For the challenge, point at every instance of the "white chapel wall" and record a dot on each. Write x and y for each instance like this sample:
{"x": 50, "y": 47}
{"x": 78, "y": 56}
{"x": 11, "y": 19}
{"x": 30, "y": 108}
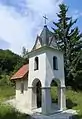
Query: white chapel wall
{"x": 21, "y": 97}
{"x": 45, "y": 73}
{"x": 51, "y": 73}
{"x": 41, "y": 72}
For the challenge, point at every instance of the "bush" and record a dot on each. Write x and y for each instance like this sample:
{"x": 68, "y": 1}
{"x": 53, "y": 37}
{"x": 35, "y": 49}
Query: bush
{"x": 5, "y": 80}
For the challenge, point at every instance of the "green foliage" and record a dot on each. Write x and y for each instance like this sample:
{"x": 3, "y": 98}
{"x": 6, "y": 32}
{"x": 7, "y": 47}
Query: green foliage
{"x": 8, "y": 61}
{"x": 69, "y": 39}
{"x": 24, "y": 51}
{"x": 54, "y": 97}
{"x": 7, "y": 112}
{"x": 9, "y": 64}
{"x": 6, "y": 92}
{"x": 5, "y": 80}
{"x": 73, "y": 100}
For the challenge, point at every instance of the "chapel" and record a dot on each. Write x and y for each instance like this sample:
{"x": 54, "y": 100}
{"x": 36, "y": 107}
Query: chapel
{"x": 33, "y": 80}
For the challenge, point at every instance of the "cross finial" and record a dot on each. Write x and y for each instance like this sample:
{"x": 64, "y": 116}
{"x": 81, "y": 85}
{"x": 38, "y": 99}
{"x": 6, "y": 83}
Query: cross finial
{"x": 45, "y": 18}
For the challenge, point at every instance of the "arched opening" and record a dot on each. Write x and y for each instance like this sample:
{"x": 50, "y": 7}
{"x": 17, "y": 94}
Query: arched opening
{"x": 37, "y": 94}
{"x": 36, "y": 63}
{"x": 55, "y": 63}
{"x": 54, "y": 95}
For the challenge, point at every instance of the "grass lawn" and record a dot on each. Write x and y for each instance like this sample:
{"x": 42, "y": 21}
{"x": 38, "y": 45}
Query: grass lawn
{"x": 6, "y": 111}
{"x": 73, "y": 100}
{"x": 6, "y": 92}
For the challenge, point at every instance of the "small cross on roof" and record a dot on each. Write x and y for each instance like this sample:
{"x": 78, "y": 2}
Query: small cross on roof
{"x": 45, "y": 18}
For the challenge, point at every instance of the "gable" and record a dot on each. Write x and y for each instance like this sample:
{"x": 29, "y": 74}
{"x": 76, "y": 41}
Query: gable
{"x": 37, "y": 43}
{"x": 53, "y": 43}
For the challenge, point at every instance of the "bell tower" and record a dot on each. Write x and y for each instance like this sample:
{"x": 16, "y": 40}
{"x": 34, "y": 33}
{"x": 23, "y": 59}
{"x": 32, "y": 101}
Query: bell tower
{"x": 46, "y": 63}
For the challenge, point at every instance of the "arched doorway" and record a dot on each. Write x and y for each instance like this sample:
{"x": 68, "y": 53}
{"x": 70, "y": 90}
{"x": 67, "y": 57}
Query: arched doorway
{"x": 36, "y": 94}
{"x": 55, "y": 94}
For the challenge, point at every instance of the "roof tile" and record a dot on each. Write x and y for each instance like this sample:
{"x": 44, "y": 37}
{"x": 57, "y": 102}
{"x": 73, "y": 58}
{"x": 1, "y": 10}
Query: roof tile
{"x": 21, "y": 72}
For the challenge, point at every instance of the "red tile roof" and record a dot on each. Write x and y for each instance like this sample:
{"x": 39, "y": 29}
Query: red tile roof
{"x": 21, "y": 72}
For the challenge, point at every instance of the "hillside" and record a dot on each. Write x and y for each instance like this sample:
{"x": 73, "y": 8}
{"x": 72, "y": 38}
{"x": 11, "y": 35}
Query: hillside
{"x": 9, "y": 61}
{"x": 9, "y": 64}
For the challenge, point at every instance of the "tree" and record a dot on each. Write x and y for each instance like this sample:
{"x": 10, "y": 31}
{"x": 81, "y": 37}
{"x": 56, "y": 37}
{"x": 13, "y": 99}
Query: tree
{"x": 8, "y": 61}
{"x": 69, "y": 40}
{"x": 25, "y": 55}
{"x": 24, "y": 51}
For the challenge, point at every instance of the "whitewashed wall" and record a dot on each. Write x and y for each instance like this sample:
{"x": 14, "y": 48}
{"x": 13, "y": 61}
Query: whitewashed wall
{"x": 50, "y": 72}
{"x": 45, "y": 73}
{"x": 21, "y": 97}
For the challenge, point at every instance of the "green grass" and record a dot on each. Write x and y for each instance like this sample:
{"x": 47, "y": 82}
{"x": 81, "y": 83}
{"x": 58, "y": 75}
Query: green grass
{"x": 6, "y": 92}
{"x": 54, "y": 96}
{"x": 73, "y": 100}
{"x": 6, "y": 111}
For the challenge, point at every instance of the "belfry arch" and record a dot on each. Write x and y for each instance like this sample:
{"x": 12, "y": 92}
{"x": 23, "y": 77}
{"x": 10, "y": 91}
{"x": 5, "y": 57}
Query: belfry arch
{"x": 36, "y": 94}
{"x": 55, "y": 84}
{"x": 58, "y": 101}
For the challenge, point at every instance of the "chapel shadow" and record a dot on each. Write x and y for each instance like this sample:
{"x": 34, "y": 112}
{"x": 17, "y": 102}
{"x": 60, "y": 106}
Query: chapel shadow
{"x": 70, "y": 104}
{"x": 76, "y": 117}
{"x": 55, "y": 100}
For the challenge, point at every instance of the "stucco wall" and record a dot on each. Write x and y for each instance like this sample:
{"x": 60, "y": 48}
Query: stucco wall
{"x": 50, "y": 72}
{"x": 21, "y": 97}
{"x": 41, "y": 72}
{"x": 45, "y": 73}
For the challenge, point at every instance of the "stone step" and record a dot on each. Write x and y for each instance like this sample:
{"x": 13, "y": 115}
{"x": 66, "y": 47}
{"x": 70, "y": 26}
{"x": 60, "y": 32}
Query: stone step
{"x": 61, "y": 115}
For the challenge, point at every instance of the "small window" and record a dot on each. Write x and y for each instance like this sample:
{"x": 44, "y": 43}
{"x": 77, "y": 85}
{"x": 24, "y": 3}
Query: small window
{"x": 22, "y": 87}
{"x": 55, "y": 63}
{"x": 36, "y": 63}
